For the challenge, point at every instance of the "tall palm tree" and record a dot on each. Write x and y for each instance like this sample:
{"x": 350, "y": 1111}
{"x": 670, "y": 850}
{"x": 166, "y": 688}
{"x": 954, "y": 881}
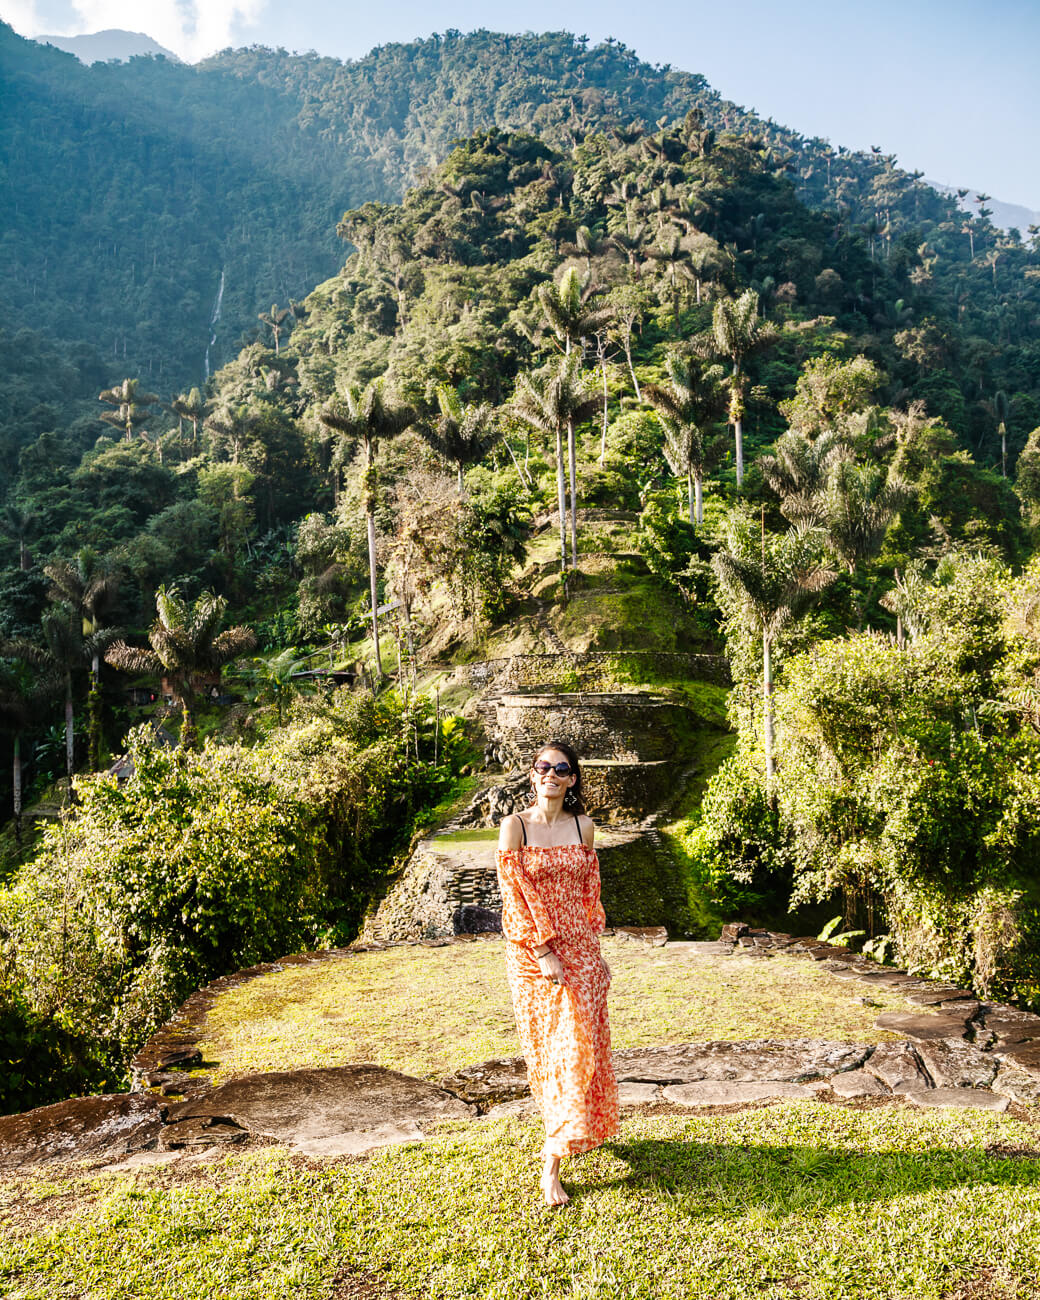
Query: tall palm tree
{"x": 998, "y": 408}
{"x": 856, "y": 508}
{"x": 88, "y": 586}
{"x": 551, "y": 402}
{"x": 737, "y": 334}
{"x": 132, "y": 406}
{"x": 19, "y": 523}
{"x": 275, "y": 320}
{"x": 65, "y": 652}
{"x": 187, "y": 645}
{"x": 368, "y": 415}
{"x": 24, "y": 685}
{"x": 463, "y": 434}
{"x": 675, "y": 262}
{"x": 769, "y": 579}
{"x": 273, "y": 681}
{"x": 797, "y": 469}
{"x": 191, "y": 406}
{"x": 569, "y": 316}
{"x": 687, "y": 409}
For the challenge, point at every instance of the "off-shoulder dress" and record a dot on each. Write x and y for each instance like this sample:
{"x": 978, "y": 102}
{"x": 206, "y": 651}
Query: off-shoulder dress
{"x": 551, "y": 895}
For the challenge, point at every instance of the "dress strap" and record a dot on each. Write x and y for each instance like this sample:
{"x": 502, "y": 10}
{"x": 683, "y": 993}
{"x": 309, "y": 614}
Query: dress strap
{"x": 577, "y": 823}
{"x": 523, "y": 828}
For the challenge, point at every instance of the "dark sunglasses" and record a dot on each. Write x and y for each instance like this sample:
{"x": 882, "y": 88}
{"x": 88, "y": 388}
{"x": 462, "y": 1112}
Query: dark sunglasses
{"x": 542, "y": 767}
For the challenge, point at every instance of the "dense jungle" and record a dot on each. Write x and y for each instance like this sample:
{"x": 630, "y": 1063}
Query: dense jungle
{"x": 374, "y": 344}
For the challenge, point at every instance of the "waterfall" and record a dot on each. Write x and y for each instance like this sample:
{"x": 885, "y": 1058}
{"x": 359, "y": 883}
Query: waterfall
{"x": 213, "y": 320}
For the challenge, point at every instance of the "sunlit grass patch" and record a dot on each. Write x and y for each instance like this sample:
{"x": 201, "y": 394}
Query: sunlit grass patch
{"x": 430, "y": 1011}
{"x": 801, "y": 1199}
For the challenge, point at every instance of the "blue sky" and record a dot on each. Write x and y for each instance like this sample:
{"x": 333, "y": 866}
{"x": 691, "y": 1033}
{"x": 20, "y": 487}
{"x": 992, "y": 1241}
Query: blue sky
{"x": 950, "y": 87}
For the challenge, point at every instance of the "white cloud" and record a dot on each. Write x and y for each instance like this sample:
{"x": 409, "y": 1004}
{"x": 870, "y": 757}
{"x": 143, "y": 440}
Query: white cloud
{"x": 21, "y": 15}
{"x": 191, "y": 28}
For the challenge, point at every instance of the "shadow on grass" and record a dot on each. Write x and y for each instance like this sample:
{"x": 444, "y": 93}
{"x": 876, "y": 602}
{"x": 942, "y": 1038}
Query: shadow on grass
{"x": 718, "y": 1179}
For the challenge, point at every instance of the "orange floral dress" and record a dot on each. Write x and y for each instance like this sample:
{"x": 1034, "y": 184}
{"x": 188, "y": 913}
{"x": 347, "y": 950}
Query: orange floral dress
{"x": 552, "y": 895}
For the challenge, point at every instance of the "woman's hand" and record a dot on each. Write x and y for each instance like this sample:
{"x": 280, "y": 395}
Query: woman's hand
{"x": 551, "y": 968}
{"x": 606, "y": 968}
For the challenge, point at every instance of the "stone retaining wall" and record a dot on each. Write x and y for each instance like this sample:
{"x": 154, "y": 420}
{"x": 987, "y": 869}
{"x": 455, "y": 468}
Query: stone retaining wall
{"x": 595, "y": 671}
{"x": 618, "y": 727}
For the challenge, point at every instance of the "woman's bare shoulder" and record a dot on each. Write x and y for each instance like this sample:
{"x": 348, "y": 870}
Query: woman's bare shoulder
{"x": 510, "y": 833}
{"x": 588, "y": 829}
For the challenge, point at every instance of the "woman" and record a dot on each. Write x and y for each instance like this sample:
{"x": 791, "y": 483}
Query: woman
{"x": 551, "y": 916}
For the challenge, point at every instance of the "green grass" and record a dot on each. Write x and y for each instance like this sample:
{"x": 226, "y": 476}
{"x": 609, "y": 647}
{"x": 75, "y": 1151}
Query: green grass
{"x": 476, "y": 835}
{"x": 803, "y": 1199}
{"x": 429, "y": 1011}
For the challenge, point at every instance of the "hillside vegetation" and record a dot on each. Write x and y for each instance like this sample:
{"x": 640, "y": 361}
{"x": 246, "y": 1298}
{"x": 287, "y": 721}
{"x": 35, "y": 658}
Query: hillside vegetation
{"x": 792, "y": 436}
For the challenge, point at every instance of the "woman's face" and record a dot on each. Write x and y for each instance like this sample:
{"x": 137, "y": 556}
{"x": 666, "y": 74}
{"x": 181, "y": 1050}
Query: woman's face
{"x": 551, "y": 784}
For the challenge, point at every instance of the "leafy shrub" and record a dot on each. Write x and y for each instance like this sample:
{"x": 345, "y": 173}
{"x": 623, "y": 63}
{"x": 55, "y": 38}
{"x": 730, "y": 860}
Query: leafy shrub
{"x": 202, "y": 863}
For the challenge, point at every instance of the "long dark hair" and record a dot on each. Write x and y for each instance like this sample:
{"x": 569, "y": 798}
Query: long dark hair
{"x": 573, "y": 800}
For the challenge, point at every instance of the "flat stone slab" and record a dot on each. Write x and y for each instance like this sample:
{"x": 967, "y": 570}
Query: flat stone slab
{"x": 654, "y": 936}
{"x": 965, "y": 1098}
{"x": 199, "y": 1132}
{"x": 501, "y": 1079}
{"x": 83, "y": 1128}
{"x": 886, "y": 979}
{"x": 934, "y": 996}
{"x": 953, "y": 1063}
{"x": 1020, "y": 1085}
{"x": 638, "y": 1094}
{"x": 1025, "y": 1055}
{"x": 944, "y": 1024}
{"x": 1017, "y": 1027}
{"x": 298, "y": 1106}
{"x": 898, "y": 1067}
{"x": 795, "y": 1060}
{"x": 360, "y": 1143}
{"x": 717, "y": 1092}
{"x": 858, "y": 1083}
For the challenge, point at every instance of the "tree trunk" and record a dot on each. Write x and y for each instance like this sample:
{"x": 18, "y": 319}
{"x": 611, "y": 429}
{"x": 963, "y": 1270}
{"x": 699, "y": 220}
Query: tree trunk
{"x": 690, "y": 496}
{"x": 16, "y": 781}
{"x": 606, "y": 405}
{"x": 94, "y": 722}
{"x": 370, "y": 523}
{"x": 698, "y": 498}
{"x": 738, "y": 420}
{"x": 738, "y": 433}
{"x": 573, "y": 467}
{"x": 189, "y": 730}
{"x": 767, "y": 711}
{"x": 70, "y": 729}
{"x": 632, "y": 369}
{"x": 561, "y": 501}
{"x": 462, "y": 487}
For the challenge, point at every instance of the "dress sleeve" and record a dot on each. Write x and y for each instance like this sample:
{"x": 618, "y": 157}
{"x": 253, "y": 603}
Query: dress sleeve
{"x": 590, "y": 896}
{"x": 524, "y": 916}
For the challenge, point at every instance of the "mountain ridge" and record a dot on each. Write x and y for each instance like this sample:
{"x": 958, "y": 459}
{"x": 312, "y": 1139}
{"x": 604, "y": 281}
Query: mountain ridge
{"x": 111, "y": 43}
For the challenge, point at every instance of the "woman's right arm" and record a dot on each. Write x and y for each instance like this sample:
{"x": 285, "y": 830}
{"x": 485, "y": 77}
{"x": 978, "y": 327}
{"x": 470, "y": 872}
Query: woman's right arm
{"x": 510, "y": 835}
{"x": 524, "y": 917}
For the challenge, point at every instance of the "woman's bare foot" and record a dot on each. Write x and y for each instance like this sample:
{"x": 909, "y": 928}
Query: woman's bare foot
{"x": 552, "y": 1189}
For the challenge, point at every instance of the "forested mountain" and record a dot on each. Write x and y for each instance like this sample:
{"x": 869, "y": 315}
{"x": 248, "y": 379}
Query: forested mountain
{"x": 132, "y": 192}
{"x": 801, "y": 377}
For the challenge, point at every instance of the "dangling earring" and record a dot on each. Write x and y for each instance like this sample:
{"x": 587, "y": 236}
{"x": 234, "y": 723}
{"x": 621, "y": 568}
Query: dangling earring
{"x": 570, "y": 799}
{"x": 534, "y": 795}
